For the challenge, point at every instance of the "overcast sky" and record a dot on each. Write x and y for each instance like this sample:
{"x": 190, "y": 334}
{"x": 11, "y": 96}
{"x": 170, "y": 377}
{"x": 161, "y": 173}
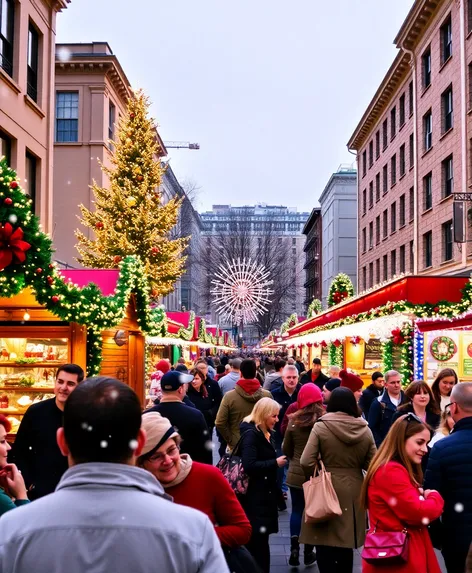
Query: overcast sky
{"x": 271, "y": 90}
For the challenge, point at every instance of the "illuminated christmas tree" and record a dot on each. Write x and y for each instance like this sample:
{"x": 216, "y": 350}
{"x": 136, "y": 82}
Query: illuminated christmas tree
{"x": 130, "y": 217}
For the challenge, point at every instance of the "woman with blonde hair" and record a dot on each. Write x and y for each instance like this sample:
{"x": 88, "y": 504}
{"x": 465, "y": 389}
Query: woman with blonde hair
{"x": 445, "y": 427}
{"x": 393, "y": 495}
{"x": 260, "y": 462}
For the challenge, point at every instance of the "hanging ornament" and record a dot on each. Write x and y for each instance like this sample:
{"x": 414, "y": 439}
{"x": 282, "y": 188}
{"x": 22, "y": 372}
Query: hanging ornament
{"x": 117, "y": 259}
{"x": 155, "y": 250}
{"x": 12, "y": 246}
{"x": 14, "y": 184}
{"x": 50, "y": 280}
{"x": 132, "y": 115}
{"x": 55, "y": 299}
{"x": 99, "y": 225}
{"x": 139, "y": 177}
{"x": 131, "y": 201}
{"x": 8, "y": 201}
{"x": 51, "y": 265}
{"x": 39, "y": 271}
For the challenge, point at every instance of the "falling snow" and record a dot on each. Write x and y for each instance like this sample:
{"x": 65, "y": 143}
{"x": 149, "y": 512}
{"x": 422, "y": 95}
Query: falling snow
{"x": 133, "y": 444}
{"x": 459, "y": 507}
{"x": 103, "y": 444}
{"x": 425, "y": 521}
{"x": 13, "y": 218}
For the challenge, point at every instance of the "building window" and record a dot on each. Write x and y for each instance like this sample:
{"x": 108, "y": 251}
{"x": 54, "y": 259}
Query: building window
{"x": 377, "y": 230}
{"x": 364, "y": 163}
{"x": 364, "y": 201}
{"x": 31, "y": 170}
{"x": 5, "y": 147}
{"x": 393, "y": 123}
{"x": 428, "y": 191}
{"x": 385, "y": 224}
{"x": 393, "y": 263}
{"x": 428, "y": 249}
{"x": 364, "y": 278}
{"x": 393, "y": 217}
{"x": 402, "y": 210}
{"x": 401, "y": 110}
{"x": 412, "y": 151}
{"x": 428, "y": 131}
{"x": 412, "y": 203}
{"x": 447, "y": 110}
{"x": 371, "y": 235}
{"x": 7, "y": 24}
{"x": 412, "y": 258}
{"x": 371, "y": 154}
{"x": 67, "y": 117}
{"x": 377, "y": 271}
{"x": 410, "y": 98}
{"x": 448, "y": 251}
{"x": 364, "y": 240}
{"x": 385, "y": 134}
{"x": 447, "y": 177}
{"x": 371, "y": 194}
{"x": 377, "y": 145}
{"x": 393, "y": 170}
{"x": 385, "y": 179}
{"x": 402, "y": 259}
{"x": 371, "y": 275}
{"x": 33, "y": 63}
{"x": 377, "y": 187}
{"x": 402, "y": 161}
{"x": 446, "y": 40}
{"x": 385, "y": 267}
{"x": 426, "y": 66}
{"x": 111, "y": 123}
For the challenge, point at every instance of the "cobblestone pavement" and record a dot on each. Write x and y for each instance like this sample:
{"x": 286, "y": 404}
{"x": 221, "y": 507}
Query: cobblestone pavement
{"x": 280, "y": 551}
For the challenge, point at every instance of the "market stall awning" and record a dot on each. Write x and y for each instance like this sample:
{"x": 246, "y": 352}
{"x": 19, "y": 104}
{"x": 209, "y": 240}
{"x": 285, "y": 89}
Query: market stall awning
{"x": 105, "y": 279}
{"x": 416, "y": 290}
{"x": 380, "y": 328}
{"x": 428, "y": 324}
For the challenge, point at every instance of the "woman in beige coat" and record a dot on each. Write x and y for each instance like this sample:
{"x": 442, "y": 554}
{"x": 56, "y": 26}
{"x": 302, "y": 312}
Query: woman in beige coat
{"x": 345, "y": 444}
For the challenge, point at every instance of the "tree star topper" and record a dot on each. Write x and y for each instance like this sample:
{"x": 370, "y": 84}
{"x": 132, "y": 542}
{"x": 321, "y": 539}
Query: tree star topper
{"x": 241, "y": 292}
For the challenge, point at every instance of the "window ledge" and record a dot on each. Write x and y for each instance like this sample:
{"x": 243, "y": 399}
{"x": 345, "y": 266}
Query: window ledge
{"x": 448, "y": 262}
{"x": 426, "y": 89}
{"x": 385, "y": 238}
{"x": 426, "y": 152}
{"x": 68, "y": 143}
{"x": 427, "y": 211}
{"x": 392, "y": 137}
{"x": 410, "y": 115}
{"x": 444, "y": 64}
{"x": 377, "y": 156}
{"x": 446, "y": 133}
{"x": 446, "y": 199}
{"x": 10, "y": 81}
{"x": 401, "y": 176}
{"x": 34, "y": 106}
{"x": 402, "y": 226}
{"x": 401, "y": 126}
{"x": 411, "y": 167}
{"x": 393, "y": 185}
{"x": 385, "y": 147}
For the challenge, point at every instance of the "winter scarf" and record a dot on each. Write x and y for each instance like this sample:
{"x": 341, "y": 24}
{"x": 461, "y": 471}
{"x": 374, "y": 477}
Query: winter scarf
{"x": 185, "y": 467}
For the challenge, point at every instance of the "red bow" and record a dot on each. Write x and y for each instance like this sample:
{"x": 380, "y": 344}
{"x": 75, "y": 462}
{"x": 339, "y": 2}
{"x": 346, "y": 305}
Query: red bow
{"x": 12, "y": 246}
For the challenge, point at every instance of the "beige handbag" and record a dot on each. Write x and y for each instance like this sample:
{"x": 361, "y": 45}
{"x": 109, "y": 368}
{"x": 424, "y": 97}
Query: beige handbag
{"x": 321, "y": 501}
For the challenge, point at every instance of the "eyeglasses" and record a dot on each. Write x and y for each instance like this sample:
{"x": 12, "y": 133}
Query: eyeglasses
{"x": 410, "y": 417}
{"x": 159, "y": 457}
{"x": 448, "y": 407}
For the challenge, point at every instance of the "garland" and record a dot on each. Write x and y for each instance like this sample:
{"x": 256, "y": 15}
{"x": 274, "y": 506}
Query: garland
{"x": 187, "y": 333}
{"x": 336, "y": 354}
{"x": 314, "y": 308}
{"x": 340, "y": 289}
{"x": 387, "y": 355}
{"x": 292, "y": 320}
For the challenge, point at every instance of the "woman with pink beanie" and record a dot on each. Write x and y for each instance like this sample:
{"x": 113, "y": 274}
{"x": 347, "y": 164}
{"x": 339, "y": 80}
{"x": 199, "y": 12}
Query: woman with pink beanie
{"x": 309, "y": 409}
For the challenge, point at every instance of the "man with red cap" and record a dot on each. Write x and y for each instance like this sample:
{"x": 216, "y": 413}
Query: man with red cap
{"x": 353, "y": 382}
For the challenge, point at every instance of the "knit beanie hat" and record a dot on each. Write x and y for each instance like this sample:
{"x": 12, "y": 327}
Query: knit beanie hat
{"x": 309, "y": 394}
{"x": 158, "y": 430}
{"x": 350, "y": 381}
{"x": 163, "y": 366}
{"x": 332, "y": 384}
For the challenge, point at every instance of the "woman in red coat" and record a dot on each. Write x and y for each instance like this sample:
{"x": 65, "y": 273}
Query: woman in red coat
{"x": 190, "y": 483}
{"x": 395, "y": 500}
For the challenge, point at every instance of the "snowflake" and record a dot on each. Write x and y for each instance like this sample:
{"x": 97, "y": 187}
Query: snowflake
{"x": 459, "y": 507}
{"x": 241, "y": 291}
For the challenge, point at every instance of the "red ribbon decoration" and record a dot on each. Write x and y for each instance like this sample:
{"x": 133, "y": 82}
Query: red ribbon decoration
{"x": 12, "y": 246}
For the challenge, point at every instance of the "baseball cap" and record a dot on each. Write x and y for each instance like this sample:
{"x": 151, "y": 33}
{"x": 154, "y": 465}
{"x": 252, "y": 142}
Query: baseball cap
{"x": 172, "y": 380}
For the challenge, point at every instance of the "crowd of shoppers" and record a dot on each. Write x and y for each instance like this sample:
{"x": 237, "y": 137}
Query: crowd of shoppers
{"x": 126, "y": 466}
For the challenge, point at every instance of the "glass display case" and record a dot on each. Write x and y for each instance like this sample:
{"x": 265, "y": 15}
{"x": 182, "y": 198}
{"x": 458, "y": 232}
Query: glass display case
{"x": 28, "y": 363}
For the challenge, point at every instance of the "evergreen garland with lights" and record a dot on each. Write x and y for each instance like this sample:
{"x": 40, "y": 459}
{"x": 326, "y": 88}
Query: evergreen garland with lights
{"x": 314, "y": 308}
{"x": 292, "y": 320}
{"x": 336, "y": 354}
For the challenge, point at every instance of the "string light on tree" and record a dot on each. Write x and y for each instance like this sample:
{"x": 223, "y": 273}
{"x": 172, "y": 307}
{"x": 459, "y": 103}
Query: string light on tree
{"x": 242, "y": 291}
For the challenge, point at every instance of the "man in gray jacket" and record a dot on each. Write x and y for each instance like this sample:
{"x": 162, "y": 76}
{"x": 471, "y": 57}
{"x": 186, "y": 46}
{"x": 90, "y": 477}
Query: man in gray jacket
{"x": 106, "y": 514}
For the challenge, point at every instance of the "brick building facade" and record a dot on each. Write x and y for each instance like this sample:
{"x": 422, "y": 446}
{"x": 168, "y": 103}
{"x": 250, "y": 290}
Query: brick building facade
{"x": 410, "y": 144}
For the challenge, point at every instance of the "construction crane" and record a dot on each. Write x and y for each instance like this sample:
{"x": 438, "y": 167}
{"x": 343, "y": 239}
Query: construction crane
{"x": 181, "y": 145}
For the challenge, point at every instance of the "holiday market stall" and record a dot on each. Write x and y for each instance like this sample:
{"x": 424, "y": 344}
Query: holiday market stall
{"x": 381, "y": 329}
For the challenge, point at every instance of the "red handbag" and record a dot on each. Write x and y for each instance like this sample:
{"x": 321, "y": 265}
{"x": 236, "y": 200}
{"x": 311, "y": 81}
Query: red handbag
{"x": 386, "y": 547}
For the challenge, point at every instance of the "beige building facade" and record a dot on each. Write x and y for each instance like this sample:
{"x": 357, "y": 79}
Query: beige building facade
{"x": 28, "y": 31}
{"x": 413, "y": 149}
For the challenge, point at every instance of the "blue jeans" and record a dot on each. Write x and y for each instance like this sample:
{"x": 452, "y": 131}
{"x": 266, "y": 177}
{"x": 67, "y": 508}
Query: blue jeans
{"x": 298, "y": 505}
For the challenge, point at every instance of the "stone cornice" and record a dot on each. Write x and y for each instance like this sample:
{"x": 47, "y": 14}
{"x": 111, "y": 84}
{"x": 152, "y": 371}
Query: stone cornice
{"x": 382, "y": 98}
{"x": 416, "y": 22}
{"x": 58, "y": 5}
